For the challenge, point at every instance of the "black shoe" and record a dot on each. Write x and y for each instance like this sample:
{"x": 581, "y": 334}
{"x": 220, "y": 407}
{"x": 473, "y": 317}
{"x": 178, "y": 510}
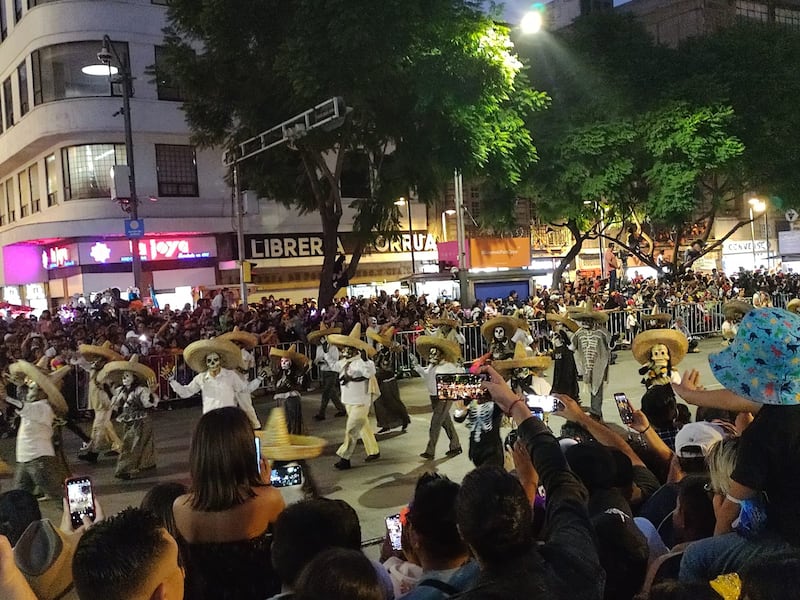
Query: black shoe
{"x": 372, "y": 457}
{"x": 340, "y": 413}
{"x": 342, "y": 465}
{"x": 427, "y": 456}
{"x": 90, "y": 457}
{"x": 452, "y": 453}
{"x": 404, "y": 428}
{"x": 319, "y": 417}
{"x": 384, "y": 430}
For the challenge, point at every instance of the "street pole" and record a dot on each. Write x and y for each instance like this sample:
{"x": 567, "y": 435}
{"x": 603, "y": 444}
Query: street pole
{"x": 411, "y": 234}
{"x": 237, "y": 193}
{"x": 444, "y": 226}
{"x": 463, "y": 284}
{"x": 766, "y": 240}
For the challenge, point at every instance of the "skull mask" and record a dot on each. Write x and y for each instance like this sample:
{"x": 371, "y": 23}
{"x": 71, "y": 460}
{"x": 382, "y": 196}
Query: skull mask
{"x": 286, "y": 364}
{"x": 127, "y": 379}
{"x": 347, "y": 352}
{"x": 434, "y": 356}
{"x": 521, "y": 373}
{"x": 213, "y": 362}
{"x": 659, "y": 354}
{"x": 33, "y": 390}
{"x": 373, "y": 322}
{"x": 499, "y": 334}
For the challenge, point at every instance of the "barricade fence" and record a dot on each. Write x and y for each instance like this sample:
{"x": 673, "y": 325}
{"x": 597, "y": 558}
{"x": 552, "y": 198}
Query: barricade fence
{"x": 701, "y": 319}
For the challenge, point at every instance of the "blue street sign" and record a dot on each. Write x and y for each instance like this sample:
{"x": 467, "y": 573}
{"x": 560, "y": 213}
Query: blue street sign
{"x": 134, "y": 228}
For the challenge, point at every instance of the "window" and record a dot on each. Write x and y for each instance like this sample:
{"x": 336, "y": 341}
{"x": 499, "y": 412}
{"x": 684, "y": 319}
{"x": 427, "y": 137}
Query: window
{"x": 166, "y": 89}
{"x": 57, "y": 73}
{"x": 8, "y": 103}
{"x": 87, "y": 169}
{"x": 752, "y": 10}
{"x": 787, "y": 16}
{"x": 3, "y": 207}
{"x": 22, "y": 80}
{"x": 52, "y": 180}
{"x": 3, "y": 21}
{"x": 33, "y": 180}
{"x": 11, "y": 204}
{"x": 354, "y": 181}
{"x": 176, "y": 169}
{"x": 17, "y": 10}
{"x": 24, "y": 187}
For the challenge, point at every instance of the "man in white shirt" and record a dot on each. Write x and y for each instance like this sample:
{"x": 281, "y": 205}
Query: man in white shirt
{"x": 246, "y": 342}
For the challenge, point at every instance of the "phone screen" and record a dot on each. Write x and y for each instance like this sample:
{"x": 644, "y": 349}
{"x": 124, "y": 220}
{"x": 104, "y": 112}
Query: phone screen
{"x": 80, "y": 498}
{"x": 624, "y": 408}
{"x": 258, "y": 453}
{"x": 395, "y": 528}
{"x": 543, "y": 403}
{"x": 462, "y": 387}
{"x": 286, "y": 476}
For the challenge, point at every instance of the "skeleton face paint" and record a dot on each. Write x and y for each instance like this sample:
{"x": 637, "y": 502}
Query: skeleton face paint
{"x": 434, "y": 356}
{"x": 286, "y": 364}
{"x": 373, "y": 322}
{"x": 33, "y": 390}
{"x": 659, "y": 354}
{"x": 213, "y": 362}
{"x": 522, "y": 373}
{"x": 347, "y": 352}
{"x": 499, "y": 334}
{"x": 127, "y": 379}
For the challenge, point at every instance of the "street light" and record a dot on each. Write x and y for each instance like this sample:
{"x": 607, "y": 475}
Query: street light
{"x": 122, "y": 74}
{"x": 531, "y": 22}
{"x": 448, "y": 213}
{"x": 757, "y": 206}
{"x": 400, "y": 202}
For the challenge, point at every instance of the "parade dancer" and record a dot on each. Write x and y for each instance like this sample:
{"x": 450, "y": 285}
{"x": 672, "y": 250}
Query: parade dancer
{"x": 502, "y": 333}
{"x": 734, "y": 311}
{"x": 359, "y": 387}
{"x": 390, "y": 412}
{"x": 326, "y": 357}
{"x": 659, "y": 351}
{"x": 524, "y": 372}
{"x": 245, "y": 342}
{"x": 592, "y": 347}
{"x": 443, "y": 358}
{"x": 133, "y": 385}
{"x": 291, "y": 374}
{"x": 215, "y": 362}
{"x": 93, "y": 359}
{"x": 565, "y": 373}
{"x": 37, "y": 463}
{"x": 446, "y": 328}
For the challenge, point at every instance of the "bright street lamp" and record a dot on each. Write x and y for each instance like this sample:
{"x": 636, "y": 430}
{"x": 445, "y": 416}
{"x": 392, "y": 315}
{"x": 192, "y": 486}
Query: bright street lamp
{"x": 532, "y": 22}
{"x": 757, "y": 206}
{"x": 448, "y": 213}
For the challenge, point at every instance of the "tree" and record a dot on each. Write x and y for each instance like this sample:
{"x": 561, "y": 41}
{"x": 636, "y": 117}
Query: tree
{"x": 433, "y": 86}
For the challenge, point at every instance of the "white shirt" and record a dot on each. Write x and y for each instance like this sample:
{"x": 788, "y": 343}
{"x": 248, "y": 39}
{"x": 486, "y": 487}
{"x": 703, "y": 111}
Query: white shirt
{"x": 35, "y": 436}
{"x": 327, "y": 360}
{"x": 218, "y": 392}
{"x": 356, "y": 393}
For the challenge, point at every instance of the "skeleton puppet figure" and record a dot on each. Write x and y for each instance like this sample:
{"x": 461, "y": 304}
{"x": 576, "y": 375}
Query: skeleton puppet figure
{"x": 291, "y": 377}
{"x": 659, "y": 351}
{"x": 592, "y": 347}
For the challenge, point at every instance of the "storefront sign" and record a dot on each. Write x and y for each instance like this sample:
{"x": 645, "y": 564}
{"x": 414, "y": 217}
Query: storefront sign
{"x": 308, "y": 245}
{"x": 789, "y": 242}
{"x": 743, "y": 246}
{"x": 59, "y": 256}
{"x": 500, "y": 252}
{"x": 120, "y": 251}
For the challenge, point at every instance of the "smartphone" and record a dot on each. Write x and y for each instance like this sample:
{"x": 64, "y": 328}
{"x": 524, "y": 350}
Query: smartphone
{"x": 624, "y": 407}
{"x": 286, "y": 476}
{"x": 80, "y": 498}
{"x": 557, "y": 404}
{"x": 538, "y": 413}
{"x": 543, "y": 403}
{"x": 395, "y": 528}
{"x": 258, "y": 453}
{"x": 463, "y": 387}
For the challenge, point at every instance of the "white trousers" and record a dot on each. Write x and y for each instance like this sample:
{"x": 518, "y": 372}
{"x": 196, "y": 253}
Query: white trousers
{"x": 357, "y": 426}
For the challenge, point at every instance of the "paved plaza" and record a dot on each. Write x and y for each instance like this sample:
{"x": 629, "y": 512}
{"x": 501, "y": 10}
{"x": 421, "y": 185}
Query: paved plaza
{"x": 375, "y": 489}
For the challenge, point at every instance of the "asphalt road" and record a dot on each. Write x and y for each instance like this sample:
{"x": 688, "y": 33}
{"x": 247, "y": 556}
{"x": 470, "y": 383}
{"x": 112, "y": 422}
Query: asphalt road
{"x": 375, "y": 489}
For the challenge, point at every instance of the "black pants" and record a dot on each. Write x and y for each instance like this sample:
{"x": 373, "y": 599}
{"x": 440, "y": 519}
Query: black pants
{"x": 331, "y": 391}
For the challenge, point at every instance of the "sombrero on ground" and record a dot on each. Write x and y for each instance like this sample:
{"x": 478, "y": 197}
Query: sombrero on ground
{"x": 353, "y": 340}
{"x": 509, "y": 324}
{"x": 195, "y": 354}
{"x": 384, "y": 338}
{"x": 246, "y": 339}
{"x": 599, "y": 316}
{"x": 565, "y": 321}
{"x": 522, "y": 360}
{"x": 298, "y": 360}
{"x": 91, "y": 352}
{"x": 736, "y": 309}
{"x": 114, "y": 370}
{"x": 674, "y": 340}
{"x": 450, "y": 350}
{"x": 49, "y": 383}
{"x": 278, "y": 444}
{"x": 316, "y": 336}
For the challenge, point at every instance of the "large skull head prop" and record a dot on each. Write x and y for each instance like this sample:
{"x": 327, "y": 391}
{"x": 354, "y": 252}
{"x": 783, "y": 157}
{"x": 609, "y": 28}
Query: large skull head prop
{"x": 128, "y": 379}
{"x": 434, "y": 355}
{"x": 499, "y": 334}
{"x": 213, "y": 362}
{"x": 659, "y": 354}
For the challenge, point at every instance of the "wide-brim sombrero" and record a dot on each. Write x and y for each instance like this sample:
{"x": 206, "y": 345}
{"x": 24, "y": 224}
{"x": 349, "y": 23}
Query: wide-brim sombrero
{"x": 598, "y": 316}
{"x": 793, "y": 305}
{"x": 278, "y": 444}
{"x": 315, "y": 336}
{"x": 195, "y": 354}
{"x": 736, "y": 309}
{"x": 674, "y": 340}
{"x": 450, "y": 350}
{"x": 509, "y": 324}
{"x": 444, "y": 322}
{"x": 48, "y": 382}
{"x": 522, "y": 360}
{"x": 245, "y": 338}
{"x": 565, "y": 321}
{"x": 657, "y": 317}
{"x": 91, "y": 351}
{"x": 112, "y": 372}
{"x": 298, "y": 360}
{"x": 384, "y": 338}
{"x": 353, "y": 340}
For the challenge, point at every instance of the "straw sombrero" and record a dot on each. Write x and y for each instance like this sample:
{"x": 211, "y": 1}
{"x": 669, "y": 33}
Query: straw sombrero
{"x": 451, "y": 350}
{"x": 444, "y": 322}
{"x": 105, "y": 351}
{"x": 278, "y": 444}
{"x": 736, "y": 309}
{"x": 195, "y": 354}
{"x": 509, "y": 324}
{"x": 385, "y": 338}
{"x": 315, "y": 336}
{"x": 657, "y": 317}
{"x": 353, "y": 340}
{"x": 673, "y": 339}
{"x": 599, "y": 316}
{"x": 522, "y": 360}
{"x": 565, "y": 321}
{"x": 793, "y": 305}
{"x": 298, "y": 360}
{"x": 246, "y": 339}
{"x": 49, "y": 383}
{"x": 114, "y": 370}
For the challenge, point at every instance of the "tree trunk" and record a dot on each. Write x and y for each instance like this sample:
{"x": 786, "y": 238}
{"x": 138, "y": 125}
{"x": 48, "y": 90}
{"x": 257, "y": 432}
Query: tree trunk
{"x": 330, "y": 243}
{"x": 571, "y": 254}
